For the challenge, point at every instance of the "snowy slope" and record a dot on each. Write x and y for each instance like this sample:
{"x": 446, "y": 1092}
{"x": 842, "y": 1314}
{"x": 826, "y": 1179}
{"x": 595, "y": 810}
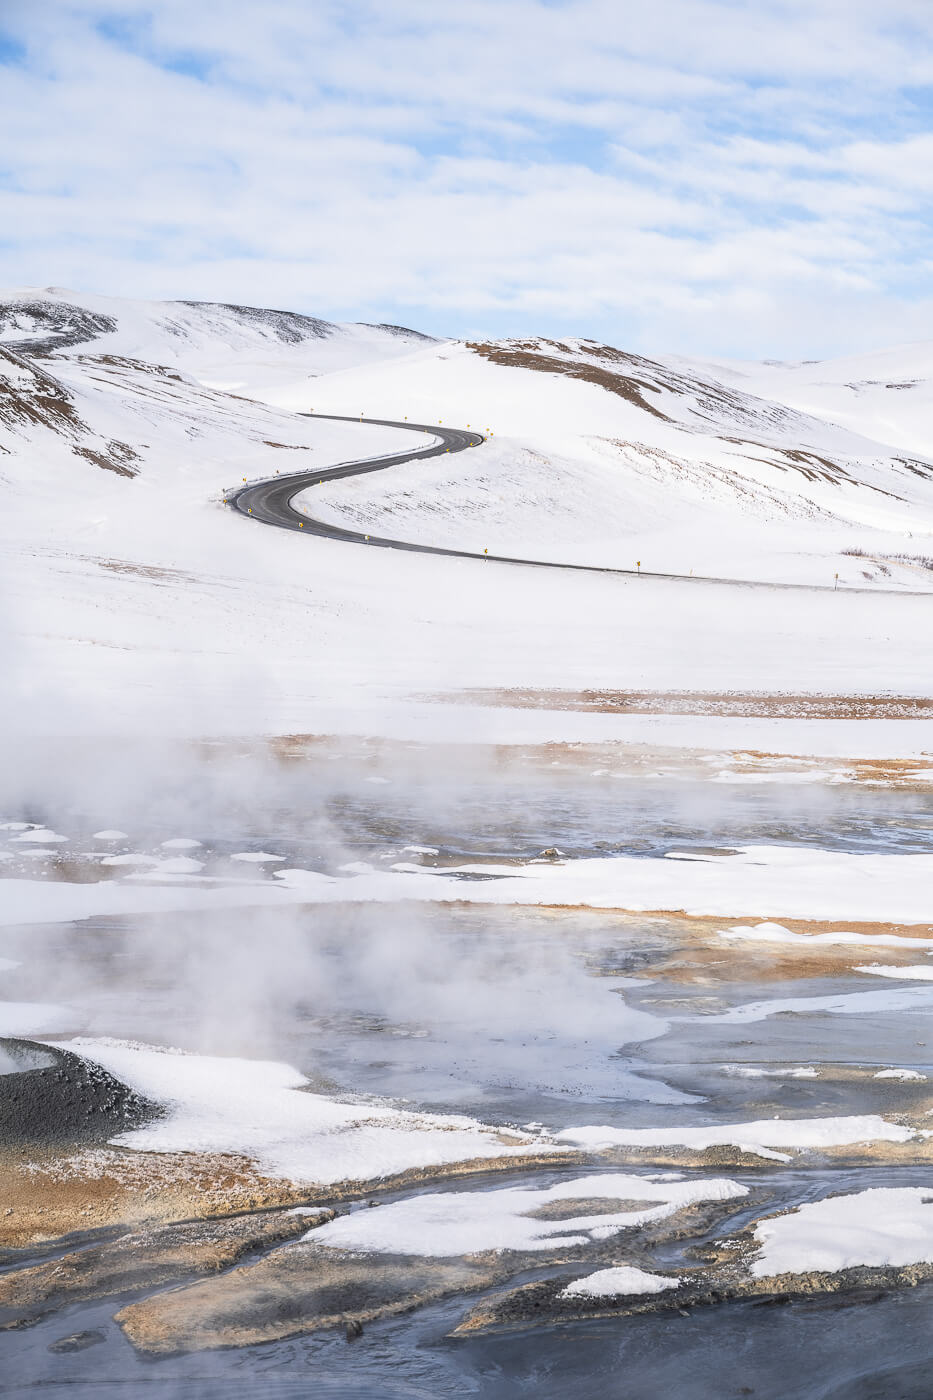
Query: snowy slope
{"x": 129, "y": 589}
{"x": 238, "y": 348}
{"x": 599, "y": 457}
{"x": 886, "y": 395}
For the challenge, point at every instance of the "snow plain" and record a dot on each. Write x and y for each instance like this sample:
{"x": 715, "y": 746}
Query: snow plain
{"x": 152, "y": 608}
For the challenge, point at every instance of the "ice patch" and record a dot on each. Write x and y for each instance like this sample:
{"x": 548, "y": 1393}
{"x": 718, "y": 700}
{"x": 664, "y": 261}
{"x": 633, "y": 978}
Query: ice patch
{"x": 761, "y": 1137}
{"x": 919, "y": 973}
{"x": 904, "y": 1075}
{"x": 177, "y": 865}
{"x": 180, "y": 843}
{"x": 880, "y": 1227}
{"x": 443, "y": 1224}
{"x": 755, "y": 1072}
{"x": 776, "y": 933}
{"x": 791, "y": 881}
{"x": 842, "y": 1004}
{"x": 110, "y": 836}
{"x": 256, "y": 857}
{"x": 621, "y": 1282}
{"x": 40, "y": 835}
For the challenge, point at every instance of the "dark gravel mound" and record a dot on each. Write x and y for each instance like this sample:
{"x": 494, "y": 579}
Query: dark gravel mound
{"x": 57, "y": 1099}
{"x": 62, "y": 323}
{"x": 403, "y": 332}
{"x": 288, "y": 326}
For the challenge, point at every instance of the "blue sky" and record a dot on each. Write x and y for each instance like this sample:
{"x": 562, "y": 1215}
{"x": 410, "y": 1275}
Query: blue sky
{"x": 748, "y": 177}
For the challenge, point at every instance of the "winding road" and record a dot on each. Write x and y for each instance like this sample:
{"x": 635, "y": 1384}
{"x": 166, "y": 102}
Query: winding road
{"x": 270, "y": 502}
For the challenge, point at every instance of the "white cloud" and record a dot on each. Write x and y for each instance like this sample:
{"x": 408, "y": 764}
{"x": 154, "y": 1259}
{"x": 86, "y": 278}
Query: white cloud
{"x": 647, "y": 174}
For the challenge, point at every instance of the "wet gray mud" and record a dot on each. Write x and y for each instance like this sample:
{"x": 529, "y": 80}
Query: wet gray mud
{"x": 556, "y": 1018}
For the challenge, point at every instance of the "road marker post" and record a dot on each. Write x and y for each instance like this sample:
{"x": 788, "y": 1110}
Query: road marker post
{"x": 638, "y": 565}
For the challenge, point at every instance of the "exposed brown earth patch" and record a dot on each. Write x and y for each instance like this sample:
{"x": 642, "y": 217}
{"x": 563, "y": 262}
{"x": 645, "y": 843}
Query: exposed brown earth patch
{"x": 50, "y": 1195}
{"x": 31, "y": 397}
{"x": 706, "y": 402}
{"x": 610, "y": 758}
{"x": 118, "y": 457}
{"x": 567, "y": 1209}
{"x": 46, "y": 1197}
{"x": 736, "y": 705}
{"x": 523, "y": 355}
{"x": 696, "y": 953}
{"x": 730, "y": 1157}
{"x": 145, "y": 1259}
{"x": 296, "y": 1290}
{"x": 151, "y": 572}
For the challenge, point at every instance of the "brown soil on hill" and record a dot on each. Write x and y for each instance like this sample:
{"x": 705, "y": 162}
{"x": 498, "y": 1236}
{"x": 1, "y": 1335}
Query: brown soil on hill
{"x": 736, "y": 705}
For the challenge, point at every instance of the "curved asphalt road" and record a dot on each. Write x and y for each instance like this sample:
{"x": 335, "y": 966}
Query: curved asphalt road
{"x": 270, "y": 502}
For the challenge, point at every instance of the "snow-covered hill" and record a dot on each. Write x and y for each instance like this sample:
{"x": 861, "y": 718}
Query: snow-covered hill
{"x": 129, "y": 589}
{"x": 602, "y": 457}
{"x": 887, "y": 395}
{"x": 230, "y": 347}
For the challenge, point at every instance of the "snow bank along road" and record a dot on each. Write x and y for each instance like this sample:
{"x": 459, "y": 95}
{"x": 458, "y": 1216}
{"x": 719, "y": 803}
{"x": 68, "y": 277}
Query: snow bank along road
{"x": 270, "y": 502}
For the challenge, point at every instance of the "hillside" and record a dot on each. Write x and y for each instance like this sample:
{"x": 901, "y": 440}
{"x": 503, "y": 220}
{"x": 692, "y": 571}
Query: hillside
{"x": 603, "y": 457}
{"x": 126, "y": 580}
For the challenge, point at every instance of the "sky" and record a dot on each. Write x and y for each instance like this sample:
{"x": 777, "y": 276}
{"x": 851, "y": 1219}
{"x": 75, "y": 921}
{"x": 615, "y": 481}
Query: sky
{"x": 721, "y": 177}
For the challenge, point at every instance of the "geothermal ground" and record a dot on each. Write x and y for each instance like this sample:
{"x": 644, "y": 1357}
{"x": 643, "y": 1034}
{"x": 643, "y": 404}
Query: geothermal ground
{"x": 428, "y": 975}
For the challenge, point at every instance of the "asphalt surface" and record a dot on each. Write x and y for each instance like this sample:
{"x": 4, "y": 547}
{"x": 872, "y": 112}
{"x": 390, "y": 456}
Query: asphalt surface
{"x": 270, "y": 502}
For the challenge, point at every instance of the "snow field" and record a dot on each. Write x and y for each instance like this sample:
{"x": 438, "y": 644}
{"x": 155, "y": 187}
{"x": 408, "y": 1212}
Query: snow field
{"x": 789, "y": 881}
{"x": 157, "y": 611}
{"x": 763, "y": 1138}
{"x": 441, "y": 1224}
{"x": 881, "y": 1227}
